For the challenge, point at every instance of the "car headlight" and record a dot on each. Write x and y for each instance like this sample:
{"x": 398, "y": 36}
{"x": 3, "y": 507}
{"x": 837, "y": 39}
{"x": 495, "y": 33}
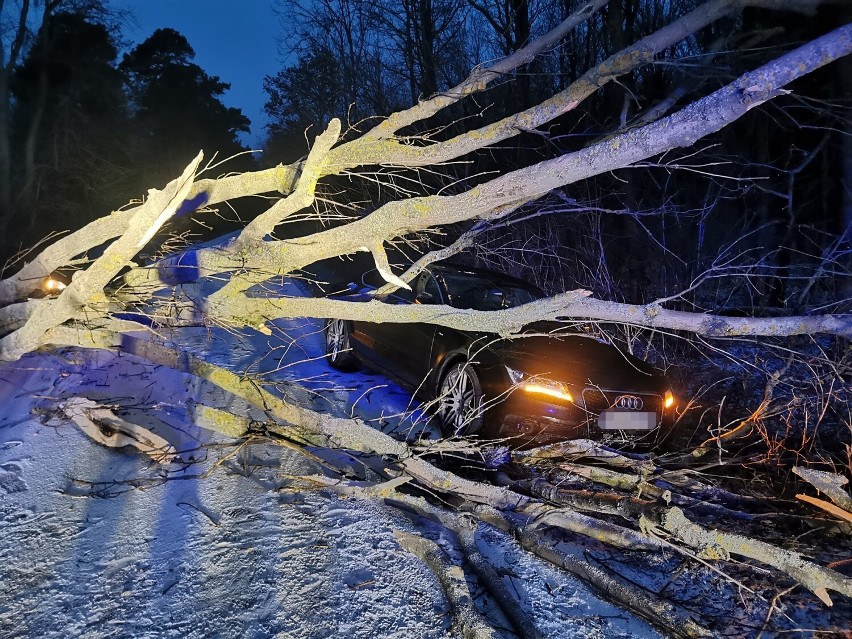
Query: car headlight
{"x": 668, "y": 400}
{"x": 540, "y": 386}
{"x": 51, "y": 285}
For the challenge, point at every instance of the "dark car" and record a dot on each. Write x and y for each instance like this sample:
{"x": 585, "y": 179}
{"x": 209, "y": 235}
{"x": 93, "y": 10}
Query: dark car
{"x": 542, "y": 386}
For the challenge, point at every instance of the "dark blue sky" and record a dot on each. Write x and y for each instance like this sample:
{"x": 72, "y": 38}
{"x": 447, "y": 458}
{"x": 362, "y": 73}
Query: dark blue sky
{"x": 232, "y": 39}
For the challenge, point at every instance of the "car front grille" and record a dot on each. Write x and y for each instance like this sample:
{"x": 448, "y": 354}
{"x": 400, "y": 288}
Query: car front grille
{"x": 596, "y": 400}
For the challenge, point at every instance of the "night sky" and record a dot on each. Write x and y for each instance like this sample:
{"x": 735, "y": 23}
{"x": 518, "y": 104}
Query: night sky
{"x": 233, "y": 39}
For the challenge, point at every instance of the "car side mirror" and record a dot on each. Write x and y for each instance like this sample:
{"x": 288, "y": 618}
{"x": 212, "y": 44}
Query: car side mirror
{"x": 424, "y": 298}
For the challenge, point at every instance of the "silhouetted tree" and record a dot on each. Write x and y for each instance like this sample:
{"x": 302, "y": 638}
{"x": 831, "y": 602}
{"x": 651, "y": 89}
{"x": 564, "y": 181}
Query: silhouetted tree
{"x": 511, "y": 22}
{"x": 426, "y": 43}
{"x": 177, "y": 106}
{"x": 70, "y": 123}
{"x": 308, "y": 94}
{"x": 58, "y": 160}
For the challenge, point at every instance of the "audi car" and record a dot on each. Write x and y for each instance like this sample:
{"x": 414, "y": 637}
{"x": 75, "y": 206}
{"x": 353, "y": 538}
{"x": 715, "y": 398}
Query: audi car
{"x": 543, "y": 385}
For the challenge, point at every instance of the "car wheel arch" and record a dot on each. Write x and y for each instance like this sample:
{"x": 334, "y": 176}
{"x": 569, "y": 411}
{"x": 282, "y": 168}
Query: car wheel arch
{"x": 443, "y": 365}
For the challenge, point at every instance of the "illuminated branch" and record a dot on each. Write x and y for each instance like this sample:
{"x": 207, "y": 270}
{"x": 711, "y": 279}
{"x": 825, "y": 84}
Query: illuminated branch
{"x": 378, "y": 147}
{"x": 570, "y": 306}
{"x": 87, "y": 286}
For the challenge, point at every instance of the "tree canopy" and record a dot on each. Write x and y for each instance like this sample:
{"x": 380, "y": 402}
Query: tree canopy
{"x": 306, "y": 95}
{"x": 79, "y": 131}
{"x": 177, "y": 107}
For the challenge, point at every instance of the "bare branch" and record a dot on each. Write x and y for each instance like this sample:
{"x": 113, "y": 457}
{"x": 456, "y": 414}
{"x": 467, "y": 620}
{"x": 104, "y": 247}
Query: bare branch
{"x": 203, "y": 192}
{"x": 300, "y": 197}
{"x": 481, "y": 78}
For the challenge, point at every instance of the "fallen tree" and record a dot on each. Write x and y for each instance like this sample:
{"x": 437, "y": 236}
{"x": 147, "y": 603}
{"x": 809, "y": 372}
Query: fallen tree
{"x": 91, "y": 311}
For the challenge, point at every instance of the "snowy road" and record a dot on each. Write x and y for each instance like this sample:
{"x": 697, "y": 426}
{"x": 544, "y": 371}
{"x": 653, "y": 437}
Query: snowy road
{"x": 94, "y": 542}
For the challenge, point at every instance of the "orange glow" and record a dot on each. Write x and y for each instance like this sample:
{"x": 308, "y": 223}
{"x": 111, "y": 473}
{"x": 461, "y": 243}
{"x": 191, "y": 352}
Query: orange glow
{"x": 51, "y": 284}
{"x": 558, "y": 393}
{"x": 669, "y": 399}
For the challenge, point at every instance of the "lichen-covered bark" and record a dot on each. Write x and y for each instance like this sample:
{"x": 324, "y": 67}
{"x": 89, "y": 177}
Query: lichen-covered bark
{"x": 830, "y": 484}
{"x": 378, "y": 146}
{"x": 286, "y": 419}
{"x": 416, "y": 214}
{"x": 533, "y": 539}
{"x": 206, "y": 192}
{"x": 720, "y": 545}
{"x": 301, "y": 196}
{"x": 573, "y": 305}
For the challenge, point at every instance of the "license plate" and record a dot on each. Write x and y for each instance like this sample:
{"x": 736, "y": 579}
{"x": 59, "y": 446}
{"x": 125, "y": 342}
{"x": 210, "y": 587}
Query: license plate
{"x": 627, "y": 420}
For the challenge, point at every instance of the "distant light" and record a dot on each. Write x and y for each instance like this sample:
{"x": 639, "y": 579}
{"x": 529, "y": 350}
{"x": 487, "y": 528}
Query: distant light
{"x": 669, "y": 399}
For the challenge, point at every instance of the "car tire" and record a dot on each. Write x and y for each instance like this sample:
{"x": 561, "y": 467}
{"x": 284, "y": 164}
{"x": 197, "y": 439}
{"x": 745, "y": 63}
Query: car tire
{"x": 338, "y": 345}
{"x": 459, "y": 401}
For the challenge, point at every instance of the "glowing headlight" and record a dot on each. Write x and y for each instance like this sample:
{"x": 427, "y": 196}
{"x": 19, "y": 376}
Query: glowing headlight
{"x": 668, "y": 400}
{"x": 551, "y": 389}
{"x": 53, "y": 286}
{"x": 539, "y": 386}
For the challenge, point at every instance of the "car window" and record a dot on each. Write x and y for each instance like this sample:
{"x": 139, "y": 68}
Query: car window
{"x": 481, "y": 293}
{"x": 427, "y": 284}
{"x": 400, "y": 296}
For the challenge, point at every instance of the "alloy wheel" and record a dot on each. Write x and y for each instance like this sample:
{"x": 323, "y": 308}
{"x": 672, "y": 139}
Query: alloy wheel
{"x": 460, "y": 401}
{"x": 337, "y": 345}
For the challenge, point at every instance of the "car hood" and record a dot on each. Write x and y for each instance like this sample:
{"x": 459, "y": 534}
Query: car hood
{"x": 579, "y": 360}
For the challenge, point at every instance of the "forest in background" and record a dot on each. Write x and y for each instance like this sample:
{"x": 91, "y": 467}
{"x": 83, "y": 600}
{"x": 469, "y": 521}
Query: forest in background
{"x": 83, "y": 130}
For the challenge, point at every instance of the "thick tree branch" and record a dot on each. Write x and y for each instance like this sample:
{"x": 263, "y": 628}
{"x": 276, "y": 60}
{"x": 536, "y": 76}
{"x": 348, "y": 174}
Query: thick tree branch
{"x": 642, "y": 52}
{"x": 358, "y": 152}
{"x": 719, "y": 544}
{"x": 291, "y": 421}
{"x": 570, "y": 306}
{"x": 399, "y": 218}
{"x": 89, "y": 284}
{"x": 533, "y": 539}
{"x": 302, "y": 196}
{"x": 452, "y": 579}
{"x": 280, "y": 178}
{"x": 204, "y": 192}
{"x": 481, "y": 78}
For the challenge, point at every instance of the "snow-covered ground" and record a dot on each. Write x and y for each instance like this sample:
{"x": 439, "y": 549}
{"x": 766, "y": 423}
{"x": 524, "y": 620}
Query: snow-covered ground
{"x": 98, "y": 542}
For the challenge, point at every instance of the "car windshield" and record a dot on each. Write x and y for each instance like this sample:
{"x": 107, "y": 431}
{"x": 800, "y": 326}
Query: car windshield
{"x": 481, "y": 293}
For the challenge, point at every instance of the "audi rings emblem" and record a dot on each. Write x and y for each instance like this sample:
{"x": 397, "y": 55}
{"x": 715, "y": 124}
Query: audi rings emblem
{"x": 629, "y": 402}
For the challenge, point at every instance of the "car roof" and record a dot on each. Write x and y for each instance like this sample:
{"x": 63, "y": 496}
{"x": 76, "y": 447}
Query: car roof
{"x": 474, "y": 270}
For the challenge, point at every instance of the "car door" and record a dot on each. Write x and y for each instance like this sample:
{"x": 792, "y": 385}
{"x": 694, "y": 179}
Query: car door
{"x": 405, "y": 349}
